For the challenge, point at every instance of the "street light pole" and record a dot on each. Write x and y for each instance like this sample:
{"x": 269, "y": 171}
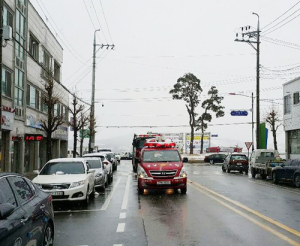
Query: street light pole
{"x": 92, "y": 118}
{"x": 252, "y": 124}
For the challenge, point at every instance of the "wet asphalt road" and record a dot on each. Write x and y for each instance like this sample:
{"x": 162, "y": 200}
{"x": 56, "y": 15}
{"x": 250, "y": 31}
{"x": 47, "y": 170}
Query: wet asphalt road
{"x": 218, "y": 209}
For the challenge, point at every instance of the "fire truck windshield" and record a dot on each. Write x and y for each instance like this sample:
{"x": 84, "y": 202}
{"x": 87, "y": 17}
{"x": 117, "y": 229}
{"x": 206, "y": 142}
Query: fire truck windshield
{"x": 140, "y": 143}
{"x": 161, "y": 156}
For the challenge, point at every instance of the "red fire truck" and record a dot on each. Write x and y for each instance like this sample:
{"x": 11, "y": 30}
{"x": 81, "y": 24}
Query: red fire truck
{"x": 138, "y": 144}
{"x": 161, "y": 167}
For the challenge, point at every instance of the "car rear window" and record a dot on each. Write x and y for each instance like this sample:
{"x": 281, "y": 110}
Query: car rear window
{"x": 266, "y": 154}
{"x": 239, "y": 157}
{"x": 60, "y": 168}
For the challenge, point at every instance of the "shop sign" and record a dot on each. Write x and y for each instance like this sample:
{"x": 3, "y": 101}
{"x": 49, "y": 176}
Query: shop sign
{"x": 7, "y": 120}
{"x": 61, "y": 133}
{"x": 33, "y": 137}
{"x": 33, "y": 122}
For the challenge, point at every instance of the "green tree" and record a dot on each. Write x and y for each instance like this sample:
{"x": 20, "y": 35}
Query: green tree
{"x": 212, "y": 104}
{"x": 188, "y": 89}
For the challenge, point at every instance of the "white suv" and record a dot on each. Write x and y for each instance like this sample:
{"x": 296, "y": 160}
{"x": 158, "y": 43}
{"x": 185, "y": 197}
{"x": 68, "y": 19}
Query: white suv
{"x": 105, "y": 161}
{"x": 67, "y": 179}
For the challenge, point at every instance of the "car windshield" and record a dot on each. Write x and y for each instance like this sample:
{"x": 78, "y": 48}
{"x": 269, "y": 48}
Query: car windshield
{"x": 267, "y": 154}
{"x": 161, "y": 156}
{"x": 94, "y": 163}
{"x": 239, "y": 157}
{"x": 53, "y": 168}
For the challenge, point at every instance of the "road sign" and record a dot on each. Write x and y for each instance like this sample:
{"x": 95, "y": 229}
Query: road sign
{"x": 239, "y": 113}
{"x": 214, "y": 135}
{"x": 248, "y": 145}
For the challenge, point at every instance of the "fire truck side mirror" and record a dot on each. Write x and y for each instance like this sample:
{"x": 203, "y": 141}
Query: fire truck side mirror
{"x": 134, "y": 142}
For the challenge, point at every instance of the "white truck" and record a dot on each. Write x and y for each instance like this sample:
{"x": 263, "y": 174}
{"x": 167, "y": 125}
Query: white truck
{"x": 261, "y": 162}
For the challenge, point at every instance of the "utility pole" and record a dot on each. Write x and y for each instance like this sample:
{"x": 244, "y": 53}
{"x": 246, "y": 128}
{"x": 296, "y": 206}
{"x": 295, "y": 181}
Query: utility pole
{"x": 1, "y": 40}
{"x": 252, "y": 37}
{"x": 92, "y": 118}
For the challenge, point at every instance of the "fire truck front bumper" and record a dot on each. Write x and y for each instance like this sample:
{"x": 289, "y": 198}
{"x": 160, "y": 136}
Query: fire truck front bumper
{"x": 150, "y": 183}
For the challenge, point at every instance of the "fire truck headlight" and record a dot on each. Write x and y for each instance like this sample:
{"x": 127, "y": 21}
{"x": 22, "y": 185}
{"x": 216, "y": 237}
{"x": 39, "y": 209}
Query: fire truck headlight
{"x": 183, "y": 173}
{"x": 142, "y": 173}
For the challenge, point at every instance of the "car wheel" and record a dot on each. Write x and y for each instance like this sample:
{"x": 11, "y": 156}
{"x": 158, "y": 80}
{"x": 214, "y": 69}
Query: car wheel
{"x": 246, "y": 172}
{"x": 297, "y": 180}
{"x": 183, "y": 190}
{"x": 263, "y": 176}
{"x": 87, "y": 197}
{"x": 93, "y": 191}
{"x": 223, "y": 169}
{"x": 211, "y": 162}
{"x": 140, "y": 190}
{"x": 48, "y": 236}
{"x": 106, "y": 183}
{"x": 112, "y": 178}
{"x": 275, "y": 178}
{"x": 228, "y": 170}
{"x": 116, "y": 168}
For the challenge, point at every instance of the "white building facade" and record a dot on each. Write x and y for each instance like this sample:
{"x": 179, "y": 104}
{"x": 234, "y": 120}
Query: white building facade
{"x": 33, "y": 49}
{"x": 291, "y": 118}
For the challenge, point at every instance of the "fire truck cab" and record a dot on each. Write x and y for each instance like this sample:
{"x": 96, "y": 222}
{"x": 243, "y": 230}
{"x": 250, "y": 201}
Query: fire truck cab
{"x": 138, "y": 144}
{"x": 161, "y": 167}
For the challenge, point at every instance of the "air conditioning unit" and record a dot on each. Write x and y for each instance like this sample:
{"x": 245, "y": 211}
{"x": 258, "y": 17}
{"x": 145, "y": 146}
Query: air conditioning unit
{"x": 7, "y": 33}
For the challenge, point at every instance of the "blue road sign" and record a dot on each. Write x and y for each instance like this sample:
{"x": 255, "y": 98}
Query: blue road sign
{"x": 214, "y": 135}
{"x": 239, "y": 113}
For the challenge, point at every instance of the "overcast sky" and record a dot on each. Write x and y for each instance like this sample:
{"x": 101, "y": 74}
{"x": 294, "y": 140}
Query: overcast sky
{"x": 156, "y": 42}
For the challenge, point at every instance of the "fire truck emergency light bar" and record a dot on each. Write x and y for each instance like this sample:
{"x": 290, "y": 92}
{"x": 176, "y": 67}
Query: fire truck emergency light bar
{"x": 159, "y": 145}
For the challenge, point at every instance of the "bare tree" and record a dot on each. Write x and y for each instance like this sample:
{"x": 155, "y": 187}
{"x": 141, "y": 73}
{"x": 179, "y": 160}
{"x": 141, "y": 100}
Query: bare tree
{"x": 54, "y": 119}
{"x": 76, "y": 110}
{"x": 212, "y": 104}
{"x": 188, "y": 89}
{"x": 272, "y": 117}
{"x": 85, "y": 121}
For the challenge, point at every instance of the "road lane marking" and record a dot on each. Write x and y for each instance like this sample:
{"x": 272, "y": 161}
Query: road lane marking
{"x": 126, "y": 194}
{"x": 118, "y": 245}
{"x": 267, "y": 228}
{"x": 109, "y": 197}
{"x": 121, "y": 227}
{"x": 122, "y": 216}
{"x": 274, "y": 222}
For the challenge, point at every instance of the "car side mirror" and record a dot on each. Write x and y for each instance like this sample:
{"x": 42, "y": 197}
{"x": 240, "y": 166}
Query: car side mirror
{"x": 5, "y": 210}
{"x": 185, "y": 159}
{"x": 282, "y": 165}
{"x": 91, "y": 171}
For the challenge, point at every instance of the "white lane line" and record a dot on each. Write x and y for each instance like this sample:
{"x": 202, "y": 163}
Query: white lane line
{"x": 122, "y": 216}
{"x": 109, "y": 197}
{"x": 118, "y": 245}
{"x": 121, "y": 227}
{"x": 126, "y": 194}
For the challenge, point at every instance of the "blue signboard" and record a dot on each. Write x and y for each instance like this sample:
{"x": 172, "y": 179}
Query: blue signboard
{"x": 214, "y": 135}
{"x": 239, "y": 113}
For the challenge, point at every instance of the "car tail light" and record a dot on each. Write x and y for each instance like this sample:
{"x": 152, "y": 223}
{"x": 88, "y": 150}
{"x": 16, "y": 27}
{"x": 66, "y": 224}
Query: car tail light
{"x": 105, "y": 162}
{"x": 50, "y": 199}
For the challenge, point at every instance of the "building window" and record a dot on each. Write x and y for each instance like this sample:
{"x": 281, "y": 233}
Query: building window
{"x": 287, "y": 104}
{"x": 46, "y": 63}
{"x": 56, "y": 71}
{"x": 44, "y": 106}
{"x": 294, "y": 141}
{"x": 296, "y": 98}
{"x": 33, "y": 97}
{"x": 8, "y": 19}
{"x": 20, "y": 35}
{"x": 56, "y": 109}
{"x": 19, "y": 87}
{"x": 6, "y": 82}
{"x": 34, "y": 47}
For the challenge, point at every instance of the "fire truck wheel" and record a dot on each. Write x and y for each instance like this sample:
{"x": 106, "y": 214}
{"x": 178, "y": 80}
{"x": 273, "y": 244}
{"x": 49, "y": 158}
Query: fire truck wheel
{"x": 183, "y": 190}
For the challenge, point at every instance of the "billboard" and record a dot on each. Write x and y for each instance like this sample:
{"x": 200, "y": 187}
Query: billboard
{"x": 197, "y": 142}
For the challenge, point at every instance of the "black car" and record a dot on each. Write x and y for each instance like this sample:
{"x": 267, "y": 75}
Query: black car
{"x": 236, "y": 162}
{"x": 215, "y": 158}
{"x": 289, "y": 171}
{"x": 26, "y": 212}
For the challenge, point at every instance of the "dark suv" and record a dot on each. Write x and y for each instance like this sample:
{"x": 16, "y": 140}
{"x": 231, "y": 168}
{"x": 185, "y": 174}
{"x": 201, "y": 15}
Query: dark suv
{"x": 287, "y": 172}
{"x": 26, "y": 212}
{"x": 237, "y": 162}
{"x": 215, "y": 158}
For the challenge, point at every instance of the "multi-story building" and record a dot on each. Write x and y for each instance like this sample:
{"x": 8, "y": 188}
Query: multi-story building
{"x": 291, "y": 118}
{"x": 32, "y": 51}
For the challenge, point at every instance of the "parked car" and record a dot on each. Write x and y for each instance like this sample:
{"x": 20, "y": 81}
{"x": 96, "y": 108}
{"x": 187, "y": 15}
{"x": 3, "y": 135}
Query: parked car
{"x": 236, "y": 162}
{"x": 289, "y": 171}
{"x": 24, "y": 210}
{"x": 100, "y": 173}
{"x": 108, "y": 165}
{"x": 214, "y": 158}
{"x": 118, "y": 157}
{"x": 110, "y": 156}
{"x": 67, "y": 179}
